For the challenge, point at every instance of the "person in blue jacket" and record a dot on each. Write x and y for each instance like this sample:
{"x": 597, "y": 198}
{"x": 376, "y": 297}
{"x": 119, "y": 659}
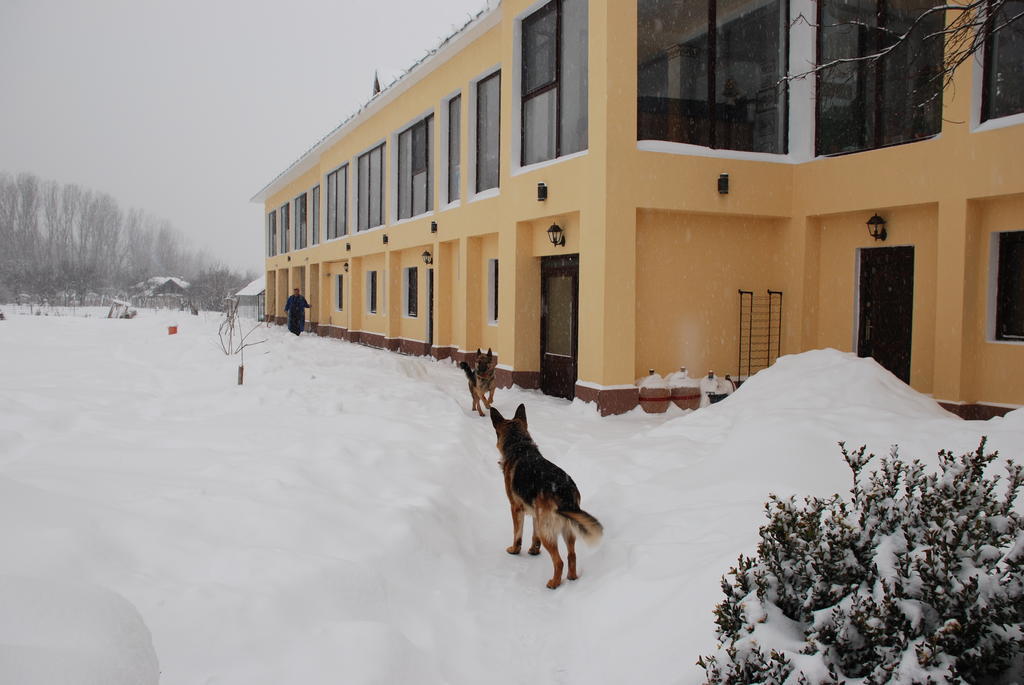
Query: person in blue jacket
{"x": 296, "y": 307}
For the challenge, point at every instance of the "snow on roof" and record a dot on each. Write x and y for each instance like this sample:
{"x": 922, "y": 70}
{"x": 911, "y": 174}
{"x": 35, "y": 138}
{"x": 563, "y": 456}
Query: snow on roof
{"x": 389, "y": 92}
{"x": 148, "y": 286}
{"x": 254, "y": 288}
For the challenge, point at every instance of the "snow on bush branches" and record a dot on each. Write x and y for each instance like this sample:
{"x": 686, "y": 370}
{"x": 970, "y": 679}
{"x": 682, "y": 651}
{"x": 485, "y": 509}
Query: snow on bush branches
{"x": 917, "y": 578}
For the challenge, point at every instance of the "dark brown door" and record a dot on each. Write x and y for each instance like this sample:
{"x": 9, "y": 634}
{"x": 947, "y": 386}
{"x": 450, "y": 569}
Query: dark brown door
{"x": 887, "y": 307}
{"x": 559, "y": 340}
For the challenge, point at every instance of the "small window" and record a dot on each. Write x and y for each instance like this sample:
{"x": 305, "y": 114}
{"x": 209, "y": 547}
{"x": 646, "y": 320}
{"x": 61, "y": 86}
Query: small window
{"x": 1004, "y": 62}
{"x": 272, "y": 233}
{"x": 371, "y": 292}
{"x": 370, "y": 202}
{"x": 339, "y": 293}
{"x": 415, "y": 182}
{"x": 492, "y": 291}
{"x": 316, "y": 214}
{"x": 300, "y": 221}
{"x": 411, "y": 291}
{"x": 285, "y": 217}
{"x": 337, "y": 202}
{"x": 454, "y": 147}
{"x": 488, "y": 122}
{"x": 1010, "y": 287}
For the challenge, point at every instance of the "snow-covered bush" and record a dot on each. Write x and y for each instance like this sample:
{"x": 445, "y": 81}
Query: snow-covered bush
{"x": 918, "y": 577}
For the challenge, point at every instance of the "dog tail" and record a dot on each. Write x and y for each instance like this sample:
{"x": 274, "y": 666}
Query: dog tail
{"x": 585, "y": 525}
{"x": 470, "y": 374}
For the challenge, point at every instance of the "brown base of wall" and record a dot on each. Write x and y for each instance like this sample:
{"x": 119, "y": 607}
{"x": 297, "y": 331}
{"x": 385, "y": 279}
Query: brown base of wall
{"x": 415, "y": 348}
{"x": 442, "y": 352}
{"x": 975, "y": 412}
{"x": 612, "y": 401}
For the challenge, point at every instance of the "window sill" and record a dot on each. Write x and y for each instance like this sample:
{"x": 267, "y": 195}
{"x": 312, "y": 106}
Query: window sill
{"x": 411, "y": 219}
{"x": 519, "y": 170}
{"x": 492, "y": 324}
{"x": 1012, "y": 343}
{"x": 1001, "y": 122}
{"x": 486, "y": 194}
{"x": 451, "y": 205}
{"x": 686, "y": 149}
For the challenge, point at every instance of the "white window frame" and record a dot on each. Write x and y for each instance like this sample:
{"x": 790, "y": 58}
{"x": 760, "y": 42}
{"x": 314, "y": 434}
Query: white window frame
{"x": 406, "y": 278}
{"x": 372, "y": 306}
{"x": 384, "y": 194}
{"x": 443, "y": 155}
{"x": 432, "y": 167}
{"x": 470, "y": 138}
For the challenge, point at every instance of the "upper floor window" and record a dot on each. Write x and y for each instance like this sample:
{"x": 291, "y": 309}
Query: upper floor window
{"x": 488, "y": 122}
{"x": 415, "y": 182}
{"x": 554, "y": 85}
{"x": 272, "y": 233}
{"x": 300, "y": 221}
{"x": 285, "y": 226}
{"x": 337, "y": 202}
{"x": 370, "y": 200}
{"x": 454, "y": 146}
{"x": 1004, "y": 61}
{"x": 1010, "y": 287}
{"x": 867, "y": 103}
{"x": 711, "y": 73}
{"x": 315, "y": 210}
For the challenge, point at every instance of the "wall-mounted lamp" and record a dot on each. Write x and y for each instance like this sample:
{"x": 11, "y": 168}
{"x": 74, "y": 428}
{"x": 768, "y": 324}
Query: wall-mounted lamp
{"x": 433, "y": 227}
{"x": 723, "y": 184}
{"x": 427, "y": 257}
{"x": 346, "y": 267}
{"x": 385, "y": 238}
{"x": 348, "y": 246}
{"x": 876, "y": 227}
{"x": 556, "y": 235}
{"x": 542, "y": 191}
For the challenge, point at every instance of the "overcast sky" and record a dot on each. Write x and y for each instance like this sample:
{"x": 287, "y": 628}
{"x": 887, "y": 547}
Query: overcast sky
{"x": 187, "y": 108}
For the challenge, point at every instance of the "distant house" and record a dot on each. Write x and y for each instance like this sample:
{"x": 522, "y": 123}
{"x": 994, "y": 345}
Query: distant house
{"x": 167, "y": 292}
{"x": 251, "y": 299}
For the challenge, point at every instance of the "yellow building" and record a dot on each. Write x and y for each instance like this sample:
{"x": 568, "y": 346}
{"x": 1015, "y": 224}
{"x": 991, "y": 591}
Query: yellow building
{"x": 597, "y": 188}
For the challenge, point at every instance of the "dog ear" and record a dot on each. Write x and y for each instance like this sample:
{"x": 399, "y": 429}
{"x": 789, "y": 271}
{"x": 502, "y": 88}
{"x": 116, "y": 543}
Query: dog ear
{"x": 496, "y": 418}
{"x": 478, "y": 352}
{"x": 521, "y": 413}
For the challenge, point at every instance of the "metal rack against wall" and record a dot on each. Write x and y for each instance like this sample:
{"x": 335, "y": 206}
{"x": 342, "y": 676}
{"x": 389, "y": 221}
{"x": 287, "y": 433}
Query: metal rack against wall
{"x": 760, "y": 331}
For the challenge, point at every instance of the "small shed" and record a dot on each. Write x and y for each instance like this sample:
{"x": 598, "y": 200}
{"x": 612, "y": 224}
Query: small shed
{"x": 166, "y": 292}
{"x": 252, "y": 299}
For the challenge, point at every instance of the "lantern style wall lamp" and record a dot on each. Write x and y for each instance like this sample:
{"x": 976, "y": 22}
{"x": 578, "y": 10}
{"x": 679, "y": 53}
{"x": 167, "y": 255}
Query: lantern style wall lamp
{"x": 348, "y": 246}
{"x": 556, "y": 235}
{"x": 346, "y": 267}
{"x": 385, "y": 238}
{"x": 427, "y": 257}
{"x": 433, "y": 227}
{"x": 542, "y": 191}
{"x": 876, "y": 228}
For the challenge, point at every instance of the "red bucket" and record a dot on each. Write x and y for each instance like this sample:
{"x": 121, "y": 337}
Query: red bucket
{"x": 171, "y": 330}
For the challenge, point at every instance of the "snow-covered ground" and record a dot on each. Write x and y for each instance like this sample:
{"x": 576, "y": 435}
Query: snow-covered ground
{"x": 341, "y": 518}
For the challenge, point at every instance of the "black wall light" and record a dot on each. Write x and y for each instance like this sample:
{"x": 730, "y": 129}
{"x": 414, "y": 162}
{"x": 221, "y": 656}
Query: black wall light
{"x": 427, "y": 257}
{"x": 723, "y": 184}
{"x": 385, "y": 238}
{"x": 433, "y": 227}
{"x": 556, "y": 235}
{"x": 346, "y": 267}
{"x": 876, "y": 227}
{"x": 348, "y": 246}
{"x": 542, "y": 191}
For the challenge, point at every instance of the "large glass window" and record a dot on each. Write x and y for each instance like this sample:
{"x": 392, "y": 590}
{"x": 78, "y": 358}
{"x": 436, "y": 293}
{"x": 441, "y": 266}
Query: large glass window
{"x": 300, "y": 221}
{"x": 1004, "y": 61}
{"x": 864, "y": 104}
{"x": 1010, "y": 287}
{"x": 454, "y": 147}
{"x": 337, "y": 202}
{"x": 488, "y": 122}
{"x": 711, "y": 73}
{"x": 315, "y": 210}
{"x": 370, "y": 175}
{"x": 272, "y": 233}
{"x": 285, "y": 221}
{"x": 554, "y": 65}
{"x": 415, "y": 182}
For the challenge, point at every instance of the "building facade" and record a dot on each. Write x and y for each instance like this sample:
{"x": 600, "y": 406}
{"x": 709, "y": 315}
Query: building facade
{"x": 596, "y": 188}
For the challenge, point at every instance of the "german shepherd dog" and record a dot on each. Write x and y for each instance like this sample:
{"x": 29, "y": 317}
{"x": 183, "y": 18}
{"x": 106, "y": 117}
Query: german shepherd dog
{"x": 541, "y": 489}
{"x": 481, "y": 380}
